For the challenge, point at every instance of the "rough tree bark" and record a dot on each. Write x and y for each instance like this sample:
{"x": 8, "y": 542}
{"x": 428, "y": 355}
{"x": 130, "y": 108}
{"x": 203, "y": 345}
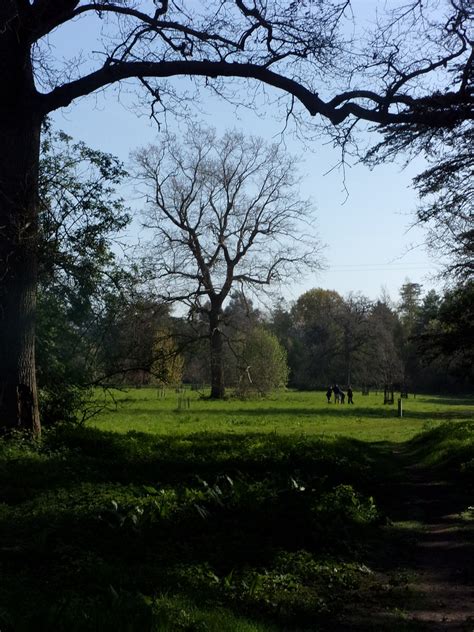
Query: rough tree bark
{"x": 19, "y": 159}
{"x": 216, "y": 341}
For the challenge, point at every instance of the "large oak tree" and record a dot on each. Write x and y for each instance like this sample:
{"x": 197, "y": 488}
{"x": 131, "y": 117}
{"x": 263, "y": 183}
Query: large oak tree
{"x": 225, "y": 214}
{"x": 416, "y": 70}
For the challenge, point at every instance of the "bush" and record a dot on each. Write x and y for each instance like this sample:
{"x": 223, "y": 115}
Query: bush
{"x": 264, "y": 366}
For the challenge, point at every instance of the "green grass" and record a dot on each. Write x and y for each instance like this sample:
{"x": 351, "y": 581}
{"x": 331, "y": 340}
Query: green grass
{"x": 254, "y": 516}
{"x": 286, "y": 413}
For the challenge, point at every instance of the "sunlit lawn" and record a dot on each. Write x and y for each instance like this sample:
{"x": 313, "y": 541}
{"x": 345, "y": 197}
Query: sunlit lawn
{"x": 290, "y": 412}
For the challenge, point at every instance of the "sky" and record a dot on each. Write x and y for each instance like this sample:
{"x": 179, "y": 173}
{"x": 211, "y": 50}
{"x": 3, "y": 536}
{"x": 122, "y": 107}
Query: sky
{"x": 363, "y": 216}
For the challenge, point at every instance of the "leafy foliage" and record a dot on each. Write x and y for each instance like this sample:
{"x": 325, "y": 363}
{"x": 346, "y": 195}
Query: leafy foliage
{"x": 81, "y": 216}
{"x": 447, "y": 337}
{"x": 129, "y": 338}
{"x": 167, "y": 367}
{"x": 143, "y": 529}
{"x": 264, "y": 366}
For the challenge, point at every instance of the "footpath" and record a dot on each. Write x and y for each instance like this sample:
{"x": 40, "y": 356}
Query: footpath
{"x": 424, "y": 569}
{"x": 442, "y": 548}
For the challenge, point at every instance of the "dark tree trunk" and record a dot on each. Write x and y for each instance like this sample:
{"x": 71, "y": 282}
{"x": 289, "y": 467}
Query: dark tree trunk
{"x": 217, "y": 360}
{"x": 20, "y": 130}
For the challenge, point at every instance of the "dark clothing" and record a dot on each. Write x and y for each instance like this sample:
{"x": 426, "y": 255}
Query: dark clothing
{"x": 349, "y": 396}
{"x": 328, "y": 394}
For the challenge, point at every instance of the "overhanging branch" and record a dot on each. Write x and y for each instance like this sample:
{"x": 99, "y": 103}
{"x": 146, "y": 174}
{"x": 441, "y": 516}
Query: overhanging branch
{"x": 438, "y": 110}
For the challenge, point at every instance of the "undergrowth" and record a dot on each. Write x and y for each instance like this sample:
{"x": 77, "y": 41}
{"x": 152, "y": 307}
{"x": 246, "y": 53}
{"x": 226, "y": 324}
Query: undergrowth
{"x": 205, "y": 532}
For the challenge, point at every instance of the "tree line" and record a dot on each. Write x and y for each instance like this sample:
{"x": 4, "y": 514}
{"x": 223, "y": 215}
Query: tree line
{"x": 422, "y": 342}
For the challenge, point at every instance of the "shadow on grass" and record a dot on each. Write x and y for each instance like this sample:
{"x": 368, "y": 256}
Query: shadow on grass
{"x": 335, "y": 412}
{"x": 273, "y": 528}
{"x": 73, "y": 456}
{"x": 452, "y": 401}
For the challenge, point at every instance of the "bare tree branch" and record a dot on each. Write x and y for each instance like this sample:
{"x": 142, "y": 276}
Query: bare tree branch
{"x": 223, "y": 211}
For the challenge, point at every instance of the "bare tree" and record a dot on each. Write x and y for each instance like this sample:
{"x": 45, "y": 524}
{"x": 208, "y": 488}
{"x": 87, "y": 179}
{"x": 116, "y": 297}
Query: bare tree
{"x": 224, "y": 212}
{"x": 294, "y": 48}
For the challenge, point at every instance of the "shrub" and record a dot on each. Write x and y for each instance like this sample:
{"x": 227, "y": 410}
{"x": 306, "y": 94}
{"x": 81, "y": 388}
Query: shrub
{"x": 264, "y": 367}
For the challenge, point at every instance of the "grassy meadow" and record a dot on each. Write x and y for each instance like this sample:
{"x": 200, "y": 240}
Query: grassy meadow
{"x": 248, "y": 516}
{"x": 287, "y": 413}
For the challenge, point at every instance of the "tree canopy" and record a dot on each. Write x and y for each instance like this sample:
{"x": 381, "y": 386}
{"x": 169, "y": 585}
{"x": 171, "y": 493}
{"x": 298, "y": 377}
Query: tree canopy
{"x": 81, "y": 217}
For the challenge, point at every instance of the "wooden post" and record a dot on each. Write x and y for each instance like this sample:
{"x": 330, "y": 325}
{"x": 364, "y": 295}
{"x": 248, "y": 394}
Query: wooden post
{"x": 400, "y": 407}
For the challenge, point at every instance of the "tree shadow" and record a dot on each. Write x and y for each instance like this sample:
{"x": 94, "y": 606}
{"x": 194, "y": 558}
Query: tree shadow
{"x": 236, "y": 503}
{"x": 466, "y": 400}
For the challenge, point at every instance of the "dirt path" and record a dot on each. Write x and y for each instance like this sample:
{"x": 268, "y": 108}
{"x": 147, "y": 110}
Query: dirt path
{"x": 424, "y": 564}
{"x": 442, "y": 551}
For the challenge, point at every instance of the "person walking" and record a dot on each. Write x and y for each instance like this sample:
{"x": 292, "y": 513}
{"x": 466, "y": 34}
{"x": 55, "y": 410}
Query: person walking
{"x": 329, "y": 393}
{"x": 349, "y": 395}
{"x": 337, "y": 393}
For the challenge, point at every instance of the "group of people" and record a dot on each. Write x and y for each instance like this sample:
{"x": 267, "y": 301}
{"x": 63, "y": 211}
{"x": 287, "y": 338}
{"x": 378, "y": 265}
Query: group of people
{"x": 339, "y": 394}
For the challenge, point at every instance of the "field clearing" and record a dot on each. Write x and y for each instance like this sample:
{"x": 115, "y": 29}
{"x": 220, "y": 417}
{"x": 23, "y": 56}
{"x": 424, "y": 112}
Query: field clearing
{"x": 285, "y": 413}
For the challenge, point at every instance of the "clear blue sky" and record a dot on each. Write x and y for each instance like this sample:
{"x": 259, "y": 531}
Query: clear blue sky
{"x": 368, "y": 244}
